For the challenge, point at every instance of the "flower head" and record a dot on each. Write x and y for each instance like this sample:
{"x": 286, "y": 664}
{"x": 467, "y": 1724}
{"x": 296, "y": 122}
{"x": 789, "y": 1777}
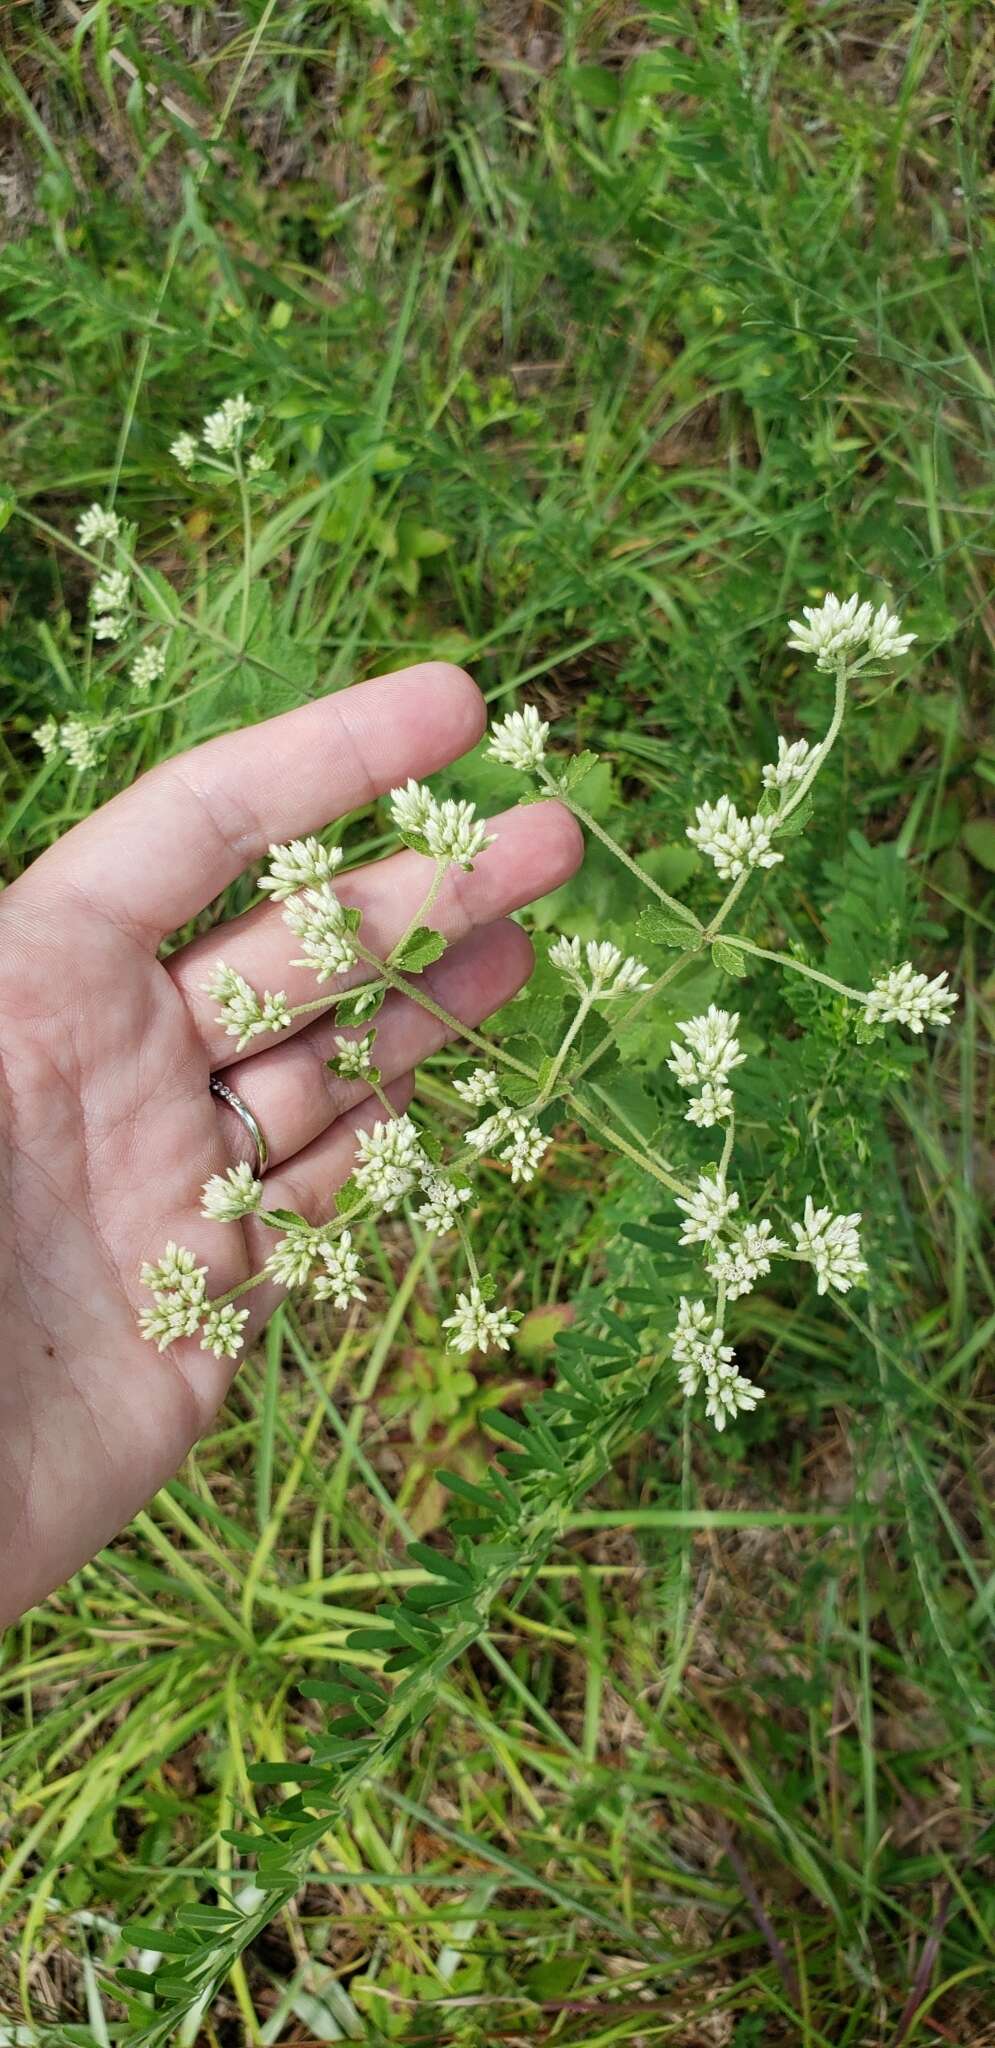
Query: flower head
{"x": 46, "y": 737}
{"x": 391, "y": 1160}
{"x": 520, "y": 739}
{"x": 241, "y": 1010}
{"x": 320, "y": 922}
{"x": 149, "y": 664}
{"x": 454, "y": 832}
{"x": 184, "y": 450}
{"x": 223, "y": 429}
{"x": 904, "y": 997}
{"x": 793, "y": 761}
{"x": 479, "y": 1087}
{"x": 442, "y": 1204}
{"x": 704, "y": 1359}
{"x": 599, "y": 970}
{"x": 227, "y": 1196}
{"x": 831, "y": 1245}
{"x": 834, "y": 629}
{"x": 304, "y": 864}
{"x": 712, "y": 1048}
{"x": 79, "y": 743}
{"x": 339, "y": 1281}
{"x": 354, "y": 1056}
{"x": 476, "y": 1327}
{"x": 96, "y": 524}
{"x": 737, "y": 1267}
{"x": 411, "y": 809}
{"x": 512, "y": 1137}
{"x": 179, "y": 1294}
{"x": 222, "y": 1330}
{"x": 291, "y": 1261}
{"x": 111, "y": 591}
{"x": 732, "y": 842}
{"x": 707, "y": 1209}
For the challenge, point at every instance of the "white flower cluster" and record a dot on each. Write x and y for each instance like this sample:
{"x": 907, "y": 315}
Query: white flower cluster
{"x": 96, "y": 524}
{"x": 704, "y": 1063}
{"x": 831, "y": 1245}
{"x": 222, "y": 431}
{"x": 476, "y": 1327}
{"x": 732, "y": 842}
{"x": 707, "y": 1209}
{"x": 479, "y": 1087}
{"x": 513, "y": 1137}
{"x": 443, "y": 1201}
{"x": 304, "y": 864}
{"x": 109, "y": 601}
{"x": 834, "y": 630}
{"x": 227, "y": 1196}
{"x": 794, "y": 760}
{"x": 904, "y": 997}
{"x": 520, "y": 740}
{"x": 339, "y": 1280}
{"x": 149, "y": 664}
{"x": 448, "y": 830}
{"x": 324, "y": 928}
{"x": 698, "y": 1347}
{"x": 243, "y": 1013}
{"x": 391, "y": 1162}
{"x": 74, "y": 738}
{"x": 181, "y": 1307}
{"x": 354, "y": 1056}
{"x": 600, "y": 972}
{"x": 737, "y": 1267}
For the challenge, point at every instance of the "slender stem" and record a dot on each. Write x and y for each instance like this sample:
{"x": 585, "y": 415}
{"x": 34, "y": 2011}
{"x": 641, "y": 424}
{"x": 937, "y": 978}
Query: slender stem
{"x": 441, "y": 869}
{"x": 375, "y": 1089}
{"x": 727, "y": 1148}
{"x": 724, "y": 908}
{"x": 821, "y": 752}
{"x": 472, "y": 1266}
{"x": 615, "y": 1138}
{"x": 453, "y": 1024}
{"x": 856, "y": 995}
{"x": 328, "y": 1002}
{"x": 554, "y": 789}
{"x": 243, "y": 494}
{"x": 581, "y": 1012}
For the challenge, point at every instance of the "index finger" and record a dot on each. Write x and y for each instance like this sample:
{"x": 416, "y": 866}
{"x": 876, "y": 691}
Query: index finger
{"x": 155, "y": 855}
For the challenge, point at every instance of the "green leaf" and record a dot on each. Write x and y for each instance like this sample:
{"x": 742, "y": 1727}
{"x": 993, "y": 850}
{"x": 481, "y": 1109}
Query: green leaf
{"x": 571, "y": 774}
{"x": 348, "y": 1197}
{"x": 419, "y": 950}
{"x": 798, "y": 819}
{"x": 358, "y": 1008}
{"x": 729, "y": 958}
{"x": 8, "y": 504}
{"x": 289, "y": 1218}
{"x": 662, "y": 927}
{"x": 979, "y": 838}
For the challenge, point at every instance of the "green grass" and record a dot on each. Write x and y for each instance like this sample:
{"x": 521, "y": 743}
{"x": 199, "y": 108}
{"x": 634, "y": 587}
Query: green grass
{"x": 592, "y": 344}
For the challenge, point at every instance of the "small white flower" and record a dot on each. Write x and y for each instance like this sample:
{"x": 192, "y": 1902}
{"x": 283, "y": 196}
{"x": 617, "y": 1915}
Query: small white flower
{"x": 454, "y": 832}
{"x": 108, "y": 626}
{"x": 184, "y": 450}
{"x": 222, "y": 1331}
{"x": 739, "y": 1266}
{"x": 147, "y": 667}
{"x": 904, "y": 997}
{"x": 179, "y": 1292}
{"x": 319, "y": 921}
{"x": 885, "y": 638}
{"x": 259, "y": 462}
{"x": 111, "y": 591}
{"x": 481, "y": 1086}
{"x": 223, "y": 429}
{"x": 513, "y": 1138}
{"x": 520, "y": 739}
{"x": 476, "y": 1327}
{"x": 173, "y": 1317}
{"x": 712, "y": 1049}
{"x": 242, "y": 1011}
{"x": 339, "y": 1283}
{"x": 698, "y": 1348}
{"x": 732, "y": 842}
{"x": 292, "y": 1259}
{"x": 47, "y": 737}
{"x": 354, "y": 1056}
{"x": 599, "y": 968}
{"x": 411, "y": 808}
{"x": 390, "y": 1161}
{"x": 793, "y": 761}
{"x": 713, "y": 1106}
{"x": 442, "y": 1204}
{"x": 79, "y": 743}
{"x": 831, "y": 629}
{"x": 304, "y": 864}
{"x": 831, "y": 1245}
{"x": 96, "y": 524}
{"x": 227, "y": 1196}
{"x": 707, "y": 1209}
{"x": 176, "y": 1272}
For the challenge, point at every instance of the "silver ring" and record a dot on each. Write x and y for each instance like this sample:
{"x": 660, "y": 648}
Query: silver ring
{"x": 225, "y": 1094}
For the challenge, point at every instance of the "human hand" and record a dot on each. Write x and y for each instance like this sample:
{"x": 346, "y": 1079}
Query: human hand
{"x": 108, "y": 1127}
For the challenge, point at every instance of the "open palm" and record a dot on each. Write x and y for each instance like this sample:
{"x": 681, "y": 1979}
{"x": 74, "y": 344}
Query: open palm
{"x": 107, "y": 1126}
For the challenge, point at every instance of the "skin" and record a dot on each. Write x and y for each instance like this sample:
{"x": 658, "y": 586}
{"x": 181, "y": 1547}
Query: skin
{"x": 107, "y": 1126}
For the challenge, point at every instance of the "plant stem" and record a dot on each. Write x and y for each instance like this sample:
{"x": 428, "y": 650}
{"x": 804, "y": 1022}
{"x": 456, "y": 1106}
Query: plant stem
{"x": 554, "y": 789}
{"x": 243, "y": 493}
{"x": 821, "y": 752}
{"x": 613, "y": 1137}
{"x": 441, "y": 868}
{"x": 454, "y": 1024}
{"x": 582, "y": 1011}
{"x": 856, "y": 995}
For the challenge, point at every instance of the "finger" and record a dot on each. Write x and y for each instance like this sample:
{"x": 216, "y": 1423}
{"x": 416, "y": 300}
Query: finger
{"x": 307, "y": 1184}
{"x": 155, "y": 855}
{"x": 535, "y": 849}
{"x": 290, "y": 1091}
